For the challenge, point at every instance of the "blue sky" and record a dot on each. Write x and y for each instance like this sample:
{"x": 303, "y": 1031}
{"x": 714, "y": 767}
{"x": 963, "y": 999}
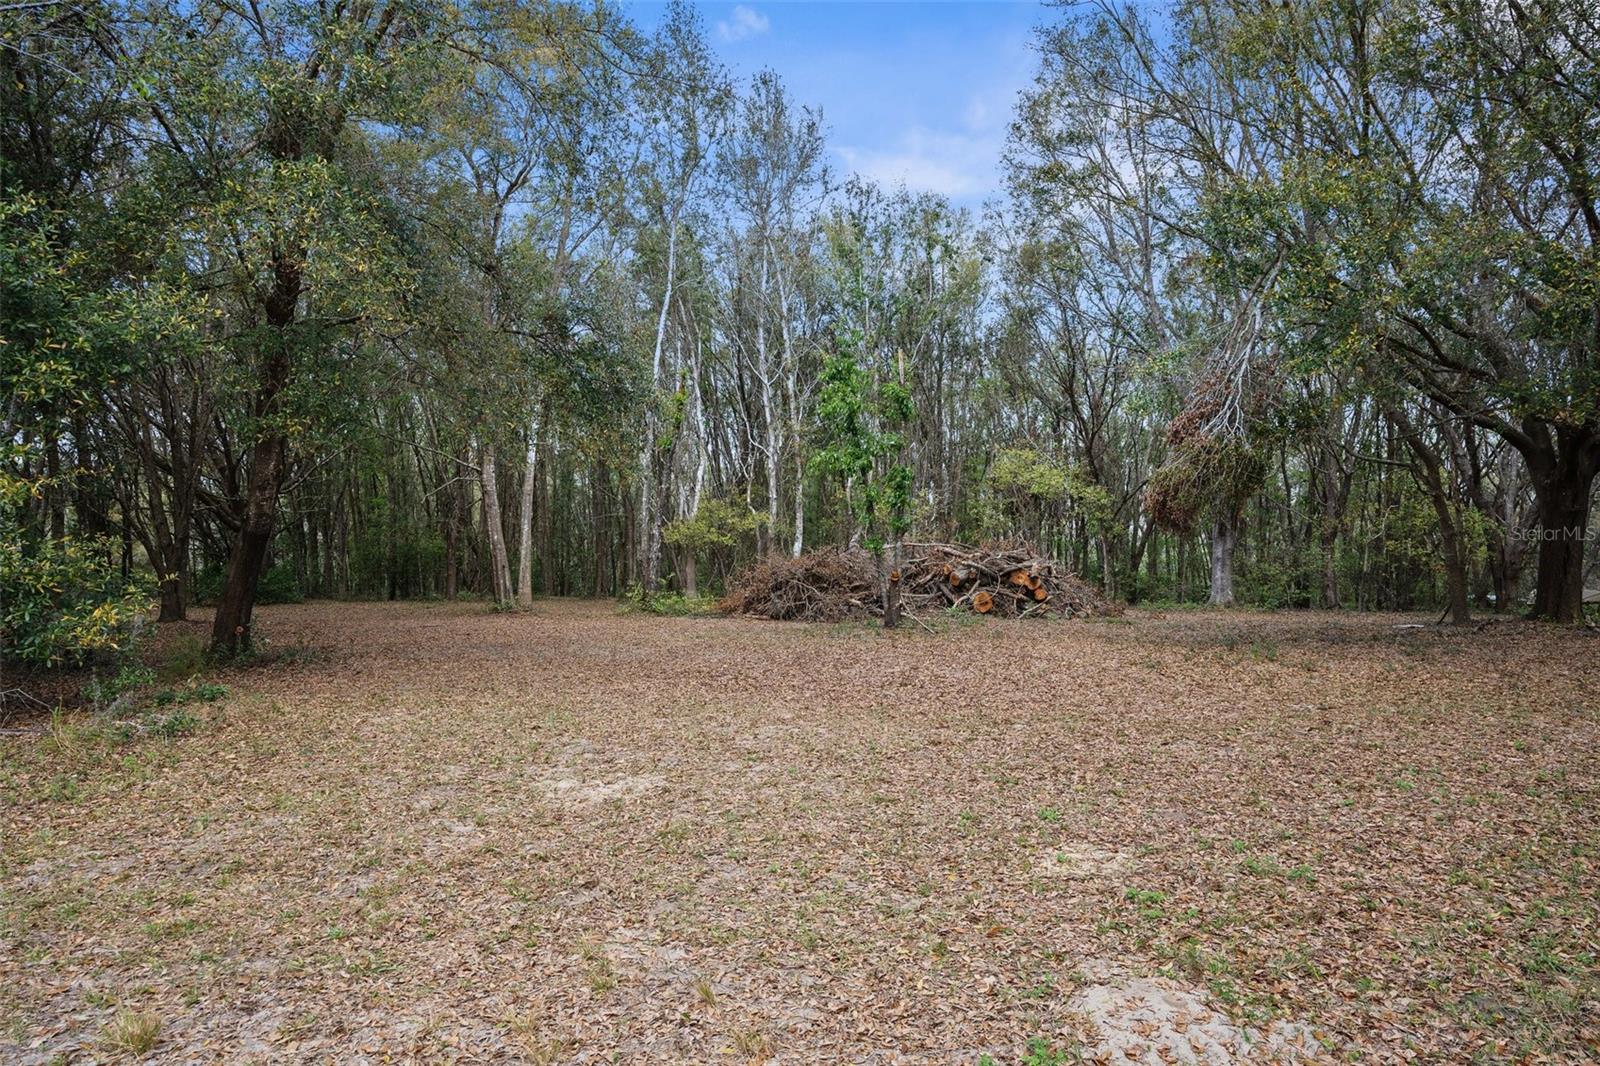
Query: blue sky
{"x": 918, "y": 93}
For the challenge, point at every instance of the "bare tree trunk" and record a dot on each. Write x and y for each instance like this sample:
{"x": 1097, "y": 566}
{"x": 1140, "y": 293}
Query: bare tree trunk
{"x": 799, "y": 504}
{"x": 333, "y": 547}
{"x": 452, "y": 547}
{"x": 649, "y": 492}
{"x": 1181, "y": 562}
{"x": 771, "y": 440}
{"x": 650, "y": 543}
{"x": 791, "y": 371}
{"x": 1562, "y": 490}
{"x": 1455, "y": 565}
{"x": 230, "y": 631}
{"x": 1152, "y": 559}
{"x": 525, "y": 525}
{"x": 1224, "y": 538}
{"x": 889, "y": 559}
{"x": 1108, "y": 578}
{"x": 1330, "y": 569}
{"x": 599, "y": 527}
{"x": 688, "y": 576}
{"x": 545, "y": 511}
{"x": 499, "y": 564}
{"x": 172, "y": 597}
{"x": 1450, "y": 547}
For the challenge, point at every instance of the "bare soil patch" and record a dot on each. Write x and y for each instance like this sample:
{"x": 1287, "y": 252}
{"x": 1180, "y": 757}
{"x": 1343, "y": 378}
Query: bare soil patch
{"x": 434, "y": 833}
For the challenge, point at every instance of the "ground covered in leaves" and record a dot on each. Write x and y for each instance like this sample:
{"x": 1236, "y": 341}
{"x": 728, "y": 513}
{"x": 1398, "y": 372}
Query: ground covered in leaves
{"x": 430, "y": 832}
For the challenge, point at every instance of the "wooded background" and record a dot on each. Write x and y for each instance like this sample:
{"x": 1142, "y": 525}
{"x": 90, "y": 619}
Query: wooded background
{"x": 1292, "y": 305}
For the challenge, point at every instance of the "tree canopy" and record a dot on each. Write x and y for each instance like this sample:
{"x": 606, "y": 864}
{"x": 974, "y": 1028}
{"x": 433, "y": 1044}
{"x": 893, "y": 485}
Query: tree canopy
{"x": 1297, "y": 305}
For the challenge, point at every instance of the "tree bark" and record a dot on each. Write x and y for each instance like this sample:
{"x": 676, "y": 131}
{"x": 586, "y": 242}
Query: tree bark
{"x": 649, "y": 490}
{"x": 799, "y": 544}
{"x": 889, "y": 573}
{"x": 1562, "y": 531}
{"x": 1562, "y": 463}
{"x": 1224, "y": 538}
{"x": 494, "y": 529}
{"x": 525, "y": 527}
{"x": 452, "y": 538}
{"x": 1330, "y": 568}
{"x": 1450, "y": 547}
{"x": 1455, "y": 566}
{"x": 172, "y": 609}
{"x": 1108, "y": 572}
{"x": 599, "y": 527}
{"x": 230, "y": 632}
{"x": 688, "y": 575}
{"x": 544, "y": 508}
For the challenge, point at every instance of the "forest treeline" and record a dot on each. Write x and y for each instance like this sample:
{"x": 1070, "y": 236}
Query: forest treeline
{"x": 1296, "y": 304}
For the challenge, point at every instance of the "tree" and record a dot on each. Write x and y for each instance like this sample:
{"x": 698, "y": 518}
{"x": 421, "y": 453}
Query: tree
{"x": 62, "y": 337}
{"x": 415, "y": 300}
{"x": 1432, "y": 476}
{"x": 862, "y": 415}
{"x": 684, "y": 101}
{"x": 263, "y": 119}
{"x": 1435, "y": 206}
{"x": 770, "y": 166}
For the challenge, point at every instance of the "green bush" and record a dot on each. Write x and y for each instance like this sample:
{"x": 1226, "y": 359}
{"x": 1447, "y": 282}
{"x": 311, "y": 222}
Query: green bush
{"x": 1281, "y": 579}
{"x": 280, "y": 585}
{"x": 207, "y": 585}
{"x": 670, "y": 604}
{"x": 60, "y": 601}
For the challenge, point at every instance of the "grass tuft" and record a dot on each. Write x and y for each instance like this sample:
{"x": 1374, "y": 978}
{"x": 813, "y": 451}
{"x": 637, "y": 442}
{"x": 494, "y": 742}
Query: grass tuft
{"x": 135, "y": 1032}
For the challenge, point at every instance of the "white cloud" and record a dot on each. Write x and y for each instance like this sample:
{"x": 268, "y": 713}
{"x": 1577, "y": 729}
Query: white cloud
{"x": 744, "y": 22}
{"x": 961, "y": 163}
{"x": 935, "y": 134}
{"x": 920, "y": 170}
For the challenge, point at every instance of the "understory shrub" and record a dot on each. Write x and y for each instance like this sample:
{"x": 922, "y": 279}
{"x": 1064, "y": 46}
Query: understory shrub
{"x": 671, "y": 604}
{"x": 278, "y": 585}
{"x": 61, "y": 601}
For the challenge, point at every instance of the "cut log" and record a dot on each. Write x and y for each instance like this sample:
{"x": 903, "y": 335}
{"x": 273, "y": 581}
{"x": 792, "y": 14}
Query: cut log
{"x": 1018, "y": 577}
{"x": 1041, "y": 593}
{"x": 982, "y": 602}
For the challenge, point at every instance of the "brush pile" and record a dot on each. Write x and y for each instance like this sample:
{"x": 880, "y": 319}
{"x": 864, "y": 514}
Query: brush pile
{"x": 831, "y": 584}
{"x": 826, "y": 585}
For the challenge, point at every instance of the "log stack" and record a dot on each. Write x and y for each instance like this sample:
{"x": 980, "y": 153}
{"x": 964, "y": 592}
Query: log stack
{"x": 1009, "y": 580}
{"x": 1005, "y": 580}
